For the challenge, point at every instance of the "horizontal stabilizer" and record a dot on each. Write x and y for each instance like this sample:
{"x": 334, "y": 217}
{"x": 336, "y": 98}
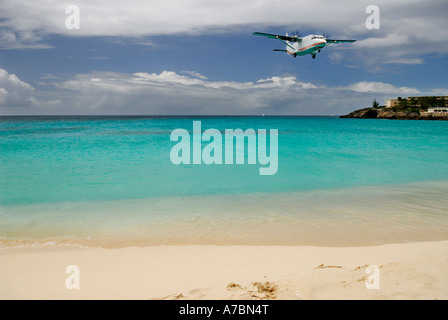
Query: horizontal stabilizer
{"x": 279, "y": 50}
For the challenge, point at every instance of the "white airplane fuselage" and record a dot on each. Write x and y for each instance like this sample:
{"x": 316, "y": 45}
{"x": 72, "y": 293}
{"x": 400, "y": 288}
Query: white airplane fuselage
{"x": 298, "y": 46}
{"x": 308, "y": 45}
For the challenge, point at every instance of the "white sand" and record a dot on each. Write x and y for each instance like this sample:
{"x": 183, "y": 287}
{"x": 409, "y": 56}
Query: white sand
{"x": 406, "y": 271}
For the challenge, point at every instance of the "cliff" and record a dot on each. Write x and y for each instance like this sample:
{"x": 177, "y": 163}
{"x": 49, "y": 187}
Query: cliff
{"x": 389, "y": 113}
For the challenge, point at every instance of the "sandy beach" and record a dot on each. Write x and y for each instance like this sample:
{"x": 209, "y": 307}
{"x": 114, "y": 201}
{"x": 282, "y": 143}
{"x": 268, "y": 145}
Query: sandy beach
{"x": 403, "y": 271}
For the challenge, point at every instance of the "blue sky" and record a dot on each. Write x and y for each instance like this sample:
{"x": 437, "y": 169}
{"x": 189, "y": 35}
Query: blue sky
{"x": 200, "y": 57}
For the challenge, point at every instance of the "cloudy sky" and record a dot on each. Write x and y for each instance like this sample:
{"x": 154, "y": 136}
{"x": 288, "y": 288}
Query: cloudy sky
{"x": 190, "y": 57}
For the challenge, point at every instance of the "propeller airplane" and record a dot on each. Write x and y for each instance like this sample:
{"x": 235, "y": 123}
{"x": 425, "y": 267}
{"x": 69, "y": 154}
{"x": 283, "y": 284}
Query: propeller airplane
{"x": 300, "y": 46}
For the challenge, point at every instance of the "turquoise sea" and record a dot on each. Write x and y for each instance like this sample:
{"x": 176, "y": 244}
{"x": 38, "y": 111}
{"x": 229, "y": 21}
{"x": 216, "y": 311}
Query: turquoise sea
{"x": 108, "y": 181}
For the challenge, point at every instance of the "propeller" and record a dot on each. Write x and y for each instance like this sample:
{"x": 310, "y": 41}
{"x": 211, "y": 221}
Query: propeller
{"x": 325, "y": 35}
{"x": 296, "y": 34}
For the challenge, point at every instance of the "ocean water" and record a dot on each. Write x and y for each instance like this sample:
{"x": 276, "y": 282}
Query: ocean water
{"x": 110, "y": 182}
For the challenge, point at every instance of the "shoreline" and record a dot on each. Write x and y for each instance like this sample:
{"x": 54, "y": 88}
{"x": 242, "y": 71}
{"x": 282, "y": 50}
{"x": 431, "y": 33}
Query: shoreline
{"x": 362, "y": 216}
{"x": 407, "y": 271}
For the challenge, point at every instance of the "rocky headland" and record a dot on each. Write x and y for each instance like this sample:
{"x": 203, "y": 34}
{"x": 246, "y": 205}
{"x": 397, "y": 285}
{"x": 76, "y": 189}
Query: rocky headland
{"x": 390, "y": 113}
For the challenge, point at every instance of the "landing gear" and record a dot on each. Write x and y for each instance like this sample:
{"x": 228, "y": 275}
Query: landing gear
{"x": 314, "y": 56}
{"x": 318, "y": 50}
{"x": 295, "y": 55}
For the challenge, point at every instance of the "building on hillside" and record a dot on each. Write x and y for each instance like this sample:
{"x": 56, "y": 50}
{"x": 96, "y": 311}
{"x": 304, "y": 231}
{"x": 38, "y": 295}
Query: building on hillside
{"x": 438, "y": 110}
{"x": 391, "y": 103}
{"x": 419, "y": 102}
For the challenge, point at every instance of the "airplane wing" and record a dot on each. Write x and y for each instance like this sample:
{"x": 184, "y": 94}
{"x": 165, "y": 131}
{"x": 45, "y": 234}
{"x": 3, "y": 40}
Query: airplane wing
{"x": 338, "y": 41}
{"x": 277, "y": 36}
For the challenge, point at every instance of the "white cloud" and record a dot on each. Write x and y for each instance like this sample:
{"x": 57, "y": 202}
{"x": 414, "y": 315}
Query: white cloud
{"x": 19, "y": 97}
{"x": 408, "y": 29}
{"x": 390, "y": 49}
{"x": 3, "y": 95}
{"x": 128, "y": 83}
{"x": 46, "y": 76}
{"x": 439, "y": 92}
{"x": 167, "y": 17}
{"x": 195, "y": 74}
{"x": 165, "y": 77}
{"x": 22, "y": 40}
{"x": 13, "y": 91}
{"x": 169, "y": 93}
{"x": 405, "y": 61}
{"x": 381, "y": 87}
{"x": 11, "y": 80}
{"x": 386, "y": 41}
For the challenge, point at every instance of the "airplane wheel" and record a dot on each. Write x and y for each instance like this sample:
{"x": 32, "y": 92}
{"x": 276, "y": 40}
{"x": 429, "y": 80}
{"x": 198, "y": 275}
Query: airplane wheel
{"x": 314, "y": 56}
{"x": 318, "y": 50}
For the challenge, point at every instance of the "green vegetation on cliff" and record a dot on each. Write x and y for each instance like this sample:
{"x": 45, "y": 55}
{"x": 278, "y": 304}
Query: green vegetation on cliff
{"x": 413, "y": 108}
